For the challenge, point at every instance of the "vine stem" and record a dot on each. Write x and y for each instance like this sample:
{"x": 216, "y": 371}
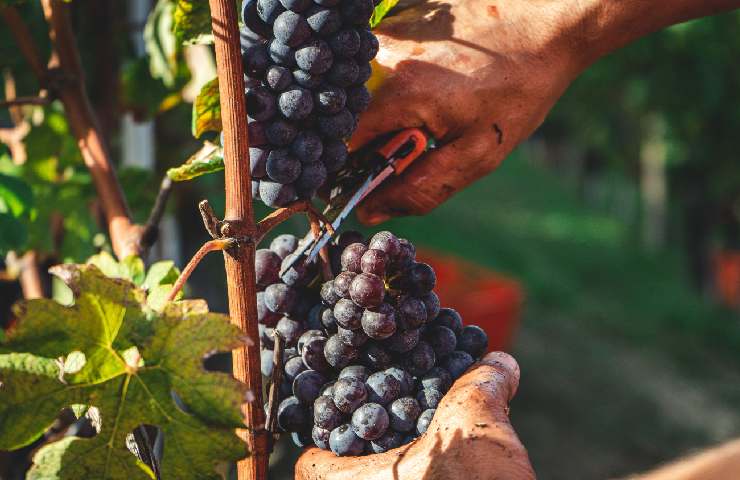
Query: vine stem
{"x": 210, "y": 246}
{"x": 282, "y": 214}
{"x": 239, "y": 223}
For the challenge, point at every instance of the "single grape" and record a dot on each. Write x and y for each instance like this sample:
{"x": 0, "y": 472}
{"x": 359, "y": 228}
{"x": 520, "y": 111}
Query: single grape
{"x": 313, "y": 354}
{"x": 357, "y": 12}
{"x": 358, "y": 99}
{"x": 325, "y": 414}
{"x": 448, "y": 317}
{"x": 335, "y": 155}
{"x": 305, "y": 337}
{"x": 328, "y": 294}
{"x": 339, "y": 354}
{"x": 403, "y": 414}
{"x": 257, "y": 161}
{"x": 296, "y": 5}
{"x": 431, "y": 304}
{"x": 322, "y": 20}
{"x": 306, "y": 79}
{"x": 345, "y": 43}
{"x": 343, "y": 72}
{"x": 255, "y": 60}
{"x": 429, "y": 398}
{"x": 260, "y": 103}
{"x": 390, "y": 440}
{"x": 328, "y": 320}
{"x": 257, "y": 133}
{"x": 307, "y": 385}
{"x": 251, "y": 19}
{"x": 248, "y": 37}
{"x": 281, "y": 53}
{"x": 342, "y": 283}
{"x": 422, "y": 424}
{"x": 344, "y": 442}
{"x": 374, "y": 261}
{"x": 420, "y": 360}
{"x": 442, "y": 340}
{"x": 339, "y": 125}
{"x": 370, "y": 421}
{"x": 369, "y": 46}
{"x": 292, "y": 416}
{"x": 412, "y": 312}
{"x": 375, "y": 357}
{"x": 355, "y": 338}
{"x": 438, "y": 379}
{"x": 379, "y": 322}
{"x": 266, "y": 267}
{"x": 473, "y": 340}
{"x": 352, "y": 257}
{"x": 358, "y": 372}
{"x": 307, "y": 146}
{"x": 278, "y": 78}
{"x": 348, "y": 314}
{"x": 403, "y": 341}
{"x": 364, "y": 72}
{"x": 292, "y": 368}
{"x": 268, "y": 10}
{"x": 290, "y": 330}
{"x": 291, "y": 29}
{"x": 265, "y": 316}
{"x": 266, "y": 362}
{"x": 457, "y": 363}
{"x": 282, "y": 167}
{"x": 320, "y": 437}
{"x": 284, "y": 244}
{"x": 382, "y": 388}
{"x": 314, "y": 57}
{"x": 297, "y": 274}
{"x": 329, "y": 99}
{"x": 404, "y": 378}
{"x": 328, "y": 389}
{"x": 280, "y": 298}
{"x": 281, "y": 132}
{"x": 295, "y": 103}
{"x": 419, "y": 279}
{"x": 349, "y": 394}
{"x": 386, "y": 242}
{"x": 312, "y": 177}
{"x": 367, "y": 290}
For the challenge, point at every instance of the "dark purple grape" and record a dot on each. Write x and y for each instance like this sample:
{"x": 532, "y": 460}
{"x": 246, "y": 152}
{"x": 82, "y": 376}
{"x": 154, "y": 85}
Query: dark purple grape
{"x": 296, "y": 5}
{"x": 255, "y": 60}
{"x": 284, "y": 244}
{"x": 422, "y": 424}
{"x": 473, "y": 340}
{"x": 314, "y": 57}
{"x": 448, "y": 317}
{"x": 275, "y": 194}
{"x": 344, "y": 442}
{"x": 404, "y": 378}
{"x": 322, "y": 20}
{"x": 403, "y": 341}
{"x": 278, "y": 78}
{"x": 282, "y": 167}
{"x": 260, "y": 103}
{"x": 328, "y": 294}
{"x": 349, "y": 394}
{"x": 345, "y": 43}
{"x": 442, "y": 340}
{"x": 265, "y": 316}
{"x": 339, "y": 354}
{"x": 412, "y": 313}
{"x": 457, "y": 363}
{"x": 375, "y": 357}
{"x": 325, "y": 414}
{"x": 281, "y": 132}
{"x": 291, "y": 29}
{"x": 257, "y": 133}
{"x": 268, "y": 10}
{"x": 307, "y": 386}
{"x": 429, "y": 398}
{"x": 374, "y": 261}
{"x": 382, "y": 388}
{"x": 281, "y": 54}
{"x": 306, "y": 79}
{"x": 266, "y": 336}
{"x": 369, "y": 46}
{"x": 403, "y": 414}
{"x": 390, "y": 440}
{"x": 328, "y": 320}
{"x": 297, "y": 274}
{"x": 364, "y": 72}
{"x": 313, "y": 321}
{"x": 307, "y": 146}
{"x": 290, "y": 330}
{"x": 313, "y": 354}
{"x": 342, "y": 283}
{"x": 295, "y": 103}
{"x": 329, "y": 99}
{"x": 358, "y": 98}
{"x": 312, "y": 177}
{"x": 357, "y": 12}
{"x": 355, "y": 338}
{"x": 292, "y": 416}
{"x": 438, "y": 379}
{"x": 343, "y": 72}
{"x": 420, "y": 360}
{"x": 335, "y": 155}
{"x": 266, "y": 362}
{"x": 348, "y": 314}
{"x": 305, "y": 337}
{"x": 419, "y": 279}
{"x": 252, "y": 21}
{"x": 358, "y": 372}
{"x": 248, "y": 37}
{"x": 352, "y": 257}
{"x": 293, "y": 367}
{"x": 280, "y": 298}
{"x": 379, "y": 323}
{"x": 266, "y": 267}
{"x": 320, "y": 437}
{"x": 257, "y": 161}
{"x": 386, "y": 242}
{"x": 339, "y": 125}
{"x": 431, "y": 304}
{"x": 370, "y": 421}
{"x": 367, "y": 290}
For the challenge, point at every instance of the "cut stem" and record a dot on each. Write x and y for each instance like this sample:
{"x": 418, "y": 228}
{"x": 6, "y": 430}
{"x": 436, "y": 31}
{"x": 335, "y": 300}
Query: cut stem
{"x": 282, "y": 214}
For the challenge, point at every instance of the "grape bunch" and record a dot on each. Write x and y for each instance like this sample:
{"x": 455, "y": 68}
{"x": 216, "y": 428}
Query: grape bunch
{"x": 305, "y": 67}
{"x": 366, "y": 365}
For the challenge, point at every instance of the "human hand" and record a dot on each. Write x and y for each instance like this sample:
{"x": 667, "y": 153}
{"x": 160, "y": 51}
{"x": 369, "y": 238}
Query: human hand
{"x": 469, "y": 438}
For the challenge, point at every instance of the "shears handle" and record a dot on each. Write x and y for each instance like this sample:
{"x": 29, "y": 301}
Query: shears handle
{"x": 405, "y": 147}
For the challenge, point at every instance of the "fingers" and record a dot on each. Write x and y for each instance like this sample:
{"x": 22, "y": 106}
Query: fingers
{"x": 433, "y": 178}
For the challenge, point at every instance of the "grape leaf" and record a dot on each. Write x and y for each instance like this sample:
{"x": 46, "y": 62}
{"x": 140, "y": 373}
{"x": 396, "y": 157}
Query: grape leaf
{"x": 208, "y": 159}
{"x": 381, "y": 10}
{"x": 207, "y": 109}
{"x": 160, "y": 43}
{"x": 128, "y": 362}
{"x": 192, "y": 19}
{"x": 16, "y": 202}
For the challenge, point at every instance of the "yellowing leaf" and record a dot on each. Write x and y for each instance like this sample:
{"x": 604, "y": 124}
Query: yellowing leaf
{"x": 207, "y": 110}
{"x": 208, "y": 159}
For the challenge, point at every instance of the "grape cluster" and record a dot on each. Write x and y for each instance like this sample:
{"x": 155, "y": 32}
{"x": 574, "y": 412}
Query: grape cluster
{"x": 366, "y": 365}
{"x": 305, "y": 66}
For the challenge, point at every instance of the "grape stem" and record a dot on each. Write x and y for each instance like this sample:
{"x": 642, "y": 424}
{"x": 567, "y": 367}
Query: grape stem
{"x": 275, "y": 380}
{"x": 282, "y": 214}
{"x": 217, "y": 244}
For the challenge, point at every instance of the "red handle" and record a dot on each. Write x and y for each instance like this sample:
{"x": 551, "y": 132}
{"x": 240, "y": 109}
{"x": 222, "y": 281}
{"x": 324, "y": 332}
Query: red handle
{"x": 411, "y": 134}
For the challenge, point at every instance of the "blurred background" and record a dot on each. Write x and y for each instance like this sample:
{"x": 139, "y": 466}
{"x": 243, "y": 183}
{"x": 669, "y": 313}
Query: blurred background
{"x": 604, "y": 253}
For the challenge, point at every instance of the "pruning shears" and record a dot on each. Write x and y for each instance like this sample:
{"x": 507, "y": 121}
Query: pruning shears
{"x": 392, "y": 158}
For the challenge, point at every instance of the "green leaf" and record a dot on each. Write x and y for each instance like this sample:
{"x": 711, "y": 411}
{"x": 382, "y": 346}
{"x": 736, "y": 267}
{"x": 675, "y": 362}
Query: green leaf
{"x": 381, "y": 10}
{"x": 149, "y": 360}
{"x": 160, "y": 43}
{"x": 207, "y": 109}
{"x": 15, "y": 196}
{"x": 161, "y": 273}
{"x": 13, "y": 233}
{"x": 130, "y": 268}
{"x": 192, "y": 19}
{"x": 208, "y": 159}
